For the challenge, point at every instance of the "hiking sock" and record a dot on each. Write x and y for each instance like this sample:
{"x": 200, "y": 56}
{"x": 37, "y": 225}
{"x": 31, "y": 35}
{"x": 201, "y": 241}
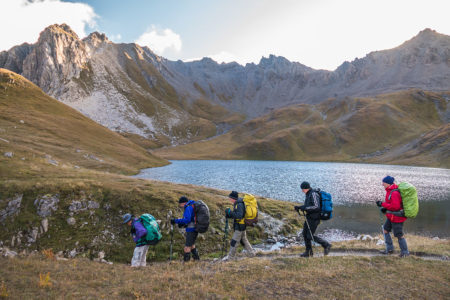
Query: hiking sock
{"x": 388, "y": 241}
{"x": 403, "y": 246}
{"x": 187, "y": 256}
{"x": 195, "y": 255}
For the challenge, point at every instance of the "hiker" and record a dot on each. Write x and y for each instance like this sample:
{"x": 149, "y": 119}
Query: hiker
{"x": 393, "y": 203}
{"x": 138, "y": 231}
{"x": 188, "y": 221}
{"x": 239, "y": 227}
{"x": 312, "y": 209}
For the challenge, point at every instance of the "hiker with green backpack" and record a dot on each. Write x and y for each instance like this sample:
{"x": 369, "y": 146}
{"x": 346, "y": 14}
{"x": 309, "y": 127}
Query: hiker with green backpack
{"x": 400, "y": 202}
{"x": 244, "y": 213}
{"x": 145, "y": 232}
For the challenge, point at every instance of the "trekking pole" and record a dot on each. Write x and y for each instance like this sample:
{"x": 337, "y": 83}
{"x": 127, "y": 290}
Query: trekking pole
{"x": 382, "y": 226}
{"x": 171, "y": 241}
{"x": 225, "y": 235}
{"x": 307, "y": 224}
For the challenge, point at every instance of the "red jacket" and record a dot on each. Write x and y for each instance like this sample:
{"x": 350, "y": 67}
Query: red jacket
{"x": 395, "y": 204}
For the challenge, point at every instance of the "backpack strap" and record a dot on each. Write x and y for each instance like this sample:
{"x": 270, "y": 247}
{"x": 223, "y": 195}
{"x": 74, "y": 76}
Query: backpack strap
{"x": 195, "y": 215}
{"x": 390, "y": 194}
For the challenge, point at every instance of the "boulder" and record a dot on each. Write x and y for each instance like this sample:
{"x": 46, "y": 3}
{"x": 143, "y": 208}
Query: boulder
{"x": 71, "y": 221}
{"x": 9, "y": 154}
{"x": 12, "y": 208}
{"x": 47, "y": 204}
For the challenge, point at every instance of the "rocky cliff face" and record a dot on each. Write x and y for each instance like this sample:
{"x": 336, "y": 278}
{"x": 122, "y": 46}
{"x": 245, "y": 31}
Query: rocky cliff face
{"x": 422, "y": 62}
{"x": 128, "y": 88}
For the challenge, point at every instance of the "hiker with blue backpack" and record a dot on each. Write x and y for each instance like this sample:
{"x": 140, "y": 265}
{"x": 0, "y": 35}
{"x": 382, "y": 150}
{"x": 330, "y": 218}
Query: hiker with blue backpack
{"x": 312, "y": 206}
{"x": 195, "y": 220}
{"x": 145, "y": 232}
{"x": 393, "y": 207}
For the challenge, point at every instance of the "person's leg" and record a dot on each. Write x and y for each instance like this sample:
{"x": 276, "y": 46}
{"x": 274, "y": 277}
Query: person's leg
{"x": 194, "y": 250}
{"x": 136, "y": 260}
{"x": 233, "y": 244}
{"x": 387, "y": 237}
{"x": 143, "y": 258}
{"x": 190, "y": 239}
{"x": 398, "y": 233}
{"x": 248, "y": 247}
{"x": 307, "y": 238}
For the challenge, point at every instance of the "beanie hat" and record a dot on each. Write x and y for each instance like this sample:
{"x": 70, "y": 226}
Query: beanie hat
{"x": 388, "y": 179}
{"x": 305, "y": 185}
{"x": 234, "y": 195}
{"x": 183, "y": 199}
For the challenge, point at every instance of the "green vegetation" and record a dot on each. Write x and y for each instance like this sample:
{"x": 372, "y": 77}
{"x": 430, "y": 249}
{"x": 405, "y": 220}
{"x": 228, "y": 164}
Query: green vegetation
{"x": 405, "y": 127}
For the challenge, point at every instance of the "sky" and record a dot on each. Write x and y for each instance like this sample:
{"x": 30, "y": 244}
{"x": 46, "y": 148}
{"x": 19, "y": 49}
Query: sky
{"x": 321, "y": 34}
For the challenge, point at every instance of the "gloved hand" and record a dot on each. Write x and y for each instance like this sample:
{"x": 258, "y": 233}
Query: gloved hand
{"x": 378, "y": 203}
{"x": 227, "y": 212}
{"x": 181, "y": 225}
{"x": 297, "y": 208}
{"x": 172, "y": 221}
{"x": 383, "y": 210}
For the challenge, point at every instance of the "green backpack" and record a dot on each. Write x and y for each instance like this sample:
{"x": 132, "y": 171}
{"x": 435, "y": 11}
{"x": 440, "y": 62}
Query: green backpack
{"x": 409, "y": 199}
{"x": 153, "y": 233}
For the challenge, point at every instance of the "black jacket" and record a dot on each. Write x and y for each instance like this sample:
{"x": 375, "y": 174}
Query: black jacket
{"x": 237, "y": 214}
{"x": 312, "y": 204}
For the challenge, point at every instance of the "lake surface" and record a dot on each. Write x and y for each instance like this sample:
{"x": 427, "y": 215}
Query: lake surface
{"x": 355, "y": 187}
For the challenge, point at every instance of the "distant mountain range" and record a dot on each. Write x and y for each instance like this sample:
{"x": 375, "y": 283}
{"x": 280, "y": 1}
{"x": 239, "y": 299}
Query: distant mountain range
{"x": 156, "y": 102}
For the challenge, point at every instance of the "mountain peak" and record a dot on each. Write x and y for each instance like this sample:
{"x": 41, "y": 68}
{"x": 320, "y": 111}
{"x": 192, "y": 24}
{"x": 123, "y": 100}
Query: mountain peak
{"x": 58, "y": 29}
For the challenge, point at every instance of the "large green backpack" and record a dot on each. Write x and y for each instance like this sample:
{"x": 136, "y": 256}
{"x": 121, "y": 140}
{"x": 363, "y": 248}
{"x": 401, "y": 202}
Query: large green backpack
{"x": 153, "y": 233}
{"x": 409, "y": 199}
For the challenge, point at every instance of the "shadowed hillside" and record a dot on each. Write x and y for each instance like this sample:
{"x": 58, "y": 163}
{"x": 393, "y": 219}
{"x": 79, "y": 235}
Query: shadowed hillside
{"x": 409, "y": 127}
{"x": 41, "y": 133}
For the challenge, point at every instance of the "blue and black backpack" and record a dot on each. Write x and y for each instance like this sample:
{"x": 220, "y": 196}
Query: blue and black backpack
{"x": 326, "y": 205}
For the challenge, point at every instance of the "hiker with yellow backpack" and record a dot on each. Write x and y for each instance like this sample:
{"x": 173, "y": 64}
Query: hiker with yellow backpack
{"x": 244, "y": 213}
{"x": 400, "y": 203}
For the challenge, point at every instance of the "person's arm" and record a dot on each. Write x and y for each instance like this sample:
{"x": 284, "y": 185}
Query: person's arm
{"x": 140, "y": 231}
{"x": 239, "y": 212}
{"x": 187, "y": 216}
{"x": 396, "y": 202}
{"x": 315, "y": 206}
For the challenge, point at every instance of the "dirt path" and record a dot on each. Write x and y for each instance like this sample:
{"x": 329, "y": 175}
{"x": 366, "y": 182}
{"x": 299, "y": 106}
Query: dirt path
{"x": 355, "y": 252}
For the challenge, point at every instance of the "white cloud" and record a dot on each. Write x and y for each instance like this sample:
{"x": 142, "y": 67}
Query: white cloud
{"x": 38, "y": 14}
{"x": 160, "y": 40}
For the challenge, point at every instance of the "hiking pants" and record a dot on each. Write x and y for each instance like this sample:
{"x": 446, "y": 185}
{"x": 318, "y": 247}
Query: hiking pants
{"x": 140, "y": 256}
{"x": 398, "y": 233}
{"x": 313, "y": 223}
{"x": 240, "y": 237}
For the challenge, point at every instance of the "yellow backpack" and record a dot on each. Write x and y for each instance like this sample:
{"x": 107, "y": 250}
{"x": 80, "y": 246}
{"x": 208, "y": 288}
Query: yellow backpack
{"x": 251, "y": 211}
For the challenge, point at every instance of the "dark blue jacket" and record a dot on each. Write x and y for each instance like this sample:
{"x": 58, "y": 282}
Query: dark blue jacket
{"x": 188, "y": 216}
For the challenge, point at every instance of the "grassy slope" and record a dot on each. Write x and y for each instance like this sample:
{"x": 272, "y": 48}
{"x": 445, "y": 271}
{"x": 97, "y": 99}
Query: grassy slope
{"x": 346, "y": 130}
{"x": 256, "y": 278}
{"x": 52, "y": 128}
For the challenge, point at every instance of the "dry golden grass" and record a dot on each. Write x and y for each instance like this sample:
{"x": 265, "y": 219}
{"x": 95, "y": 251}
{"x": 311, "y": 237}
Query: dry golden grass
{"x": 256, "y": 278}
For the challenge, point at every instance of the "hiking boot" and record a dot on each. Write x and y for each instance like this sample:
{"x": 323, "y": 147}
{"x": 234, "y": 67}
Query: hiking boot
{"x": 227, "y": 258}
{"x": 404, "y": 255}
{"x": 187, "y": 257}
{"x": 326, "y": 249}
{"x": 387, "y": 252}
{"x": 195, "y": 255}
{"x": 307, "y": 253}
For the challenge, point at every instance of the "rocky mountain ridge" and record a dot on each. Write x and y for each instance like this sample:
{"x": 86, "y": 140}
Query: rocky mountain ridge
{"x": 129, "y": 89}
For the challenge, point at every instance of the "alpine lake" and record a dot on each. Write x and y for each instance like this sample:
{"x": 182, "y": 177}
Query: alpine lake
{"x": 354, "y": 188}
